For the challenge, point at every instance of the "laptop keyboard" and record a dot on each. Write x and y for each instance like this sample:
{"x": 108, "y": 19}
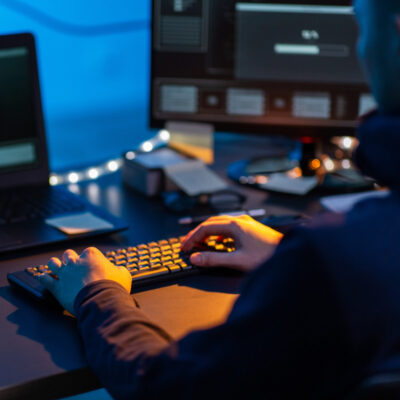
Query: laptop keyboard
{"x": 147, "y": 263}
{"x": 40, "y": 203}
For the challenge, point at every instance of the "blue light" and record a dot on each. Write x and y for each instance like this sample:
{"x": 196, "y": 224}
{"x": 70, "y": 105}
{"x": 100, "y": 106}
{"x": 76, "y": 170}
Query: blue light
{"x": 94, "y": 87}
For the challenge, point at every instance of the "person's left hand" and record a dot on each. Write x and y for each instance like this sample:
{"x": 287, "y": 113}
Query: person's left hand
{"x": 74, "y": 272}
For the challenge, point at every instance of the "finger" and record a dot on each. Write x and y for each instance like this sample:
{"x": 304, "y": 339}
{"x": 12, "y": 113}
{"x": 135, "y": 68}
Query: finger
{"x": 70, "y": 257}
{"x": 217, "y": 218}
{"x": 48, "y": 282}
{"x": 91, "y": 251}
{"x": 217, "y": 259}
{"x": 228, "y": 228}
{"x": 54, "y": 265}
{"x": 212, "y": 220}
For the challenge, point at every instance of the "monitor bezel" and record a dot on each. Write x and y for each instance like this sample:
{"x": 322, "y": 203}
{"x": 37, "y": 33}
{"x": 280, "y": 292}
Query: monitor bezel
{"x": 36, "y": 174}
{"x": 293, "y": 131}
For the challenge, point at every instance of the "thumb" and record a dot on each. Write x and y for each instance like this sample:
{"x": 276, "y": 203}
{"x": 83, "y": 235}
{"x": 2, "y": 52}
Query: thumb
{"x": 217, "y": 259}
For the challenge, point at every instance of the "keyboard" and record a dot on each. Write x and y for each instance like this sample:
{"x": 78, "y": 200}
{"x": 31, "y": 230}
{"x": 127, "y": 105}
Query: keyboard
{"x": 149, "y": 263}
{"x": 38, "y": 203}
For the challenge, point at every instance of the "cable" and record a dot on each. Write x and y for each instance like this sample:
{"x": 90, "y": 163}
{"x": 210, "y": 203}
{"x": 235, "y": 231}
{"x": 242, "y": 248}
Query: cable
{"x": 73, "y": 29}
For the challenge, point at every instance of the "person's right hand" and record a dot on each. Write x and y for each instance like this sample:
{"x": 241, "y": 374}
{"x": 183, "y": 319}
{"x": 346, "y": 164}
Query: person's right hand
{"x": 254, "y": 242}
{"x": 74, "y": 271}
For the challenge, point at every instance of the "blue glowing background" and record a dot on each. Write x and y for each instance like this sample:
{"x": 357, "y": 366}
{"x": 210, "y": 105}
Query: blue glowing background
{"x": 95, "y": 84}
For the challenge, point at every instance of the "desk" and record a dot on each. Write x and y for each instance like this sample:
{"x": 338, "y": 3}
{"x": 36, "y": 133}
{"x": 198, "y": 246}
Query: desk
{"x": 40, "y": 349}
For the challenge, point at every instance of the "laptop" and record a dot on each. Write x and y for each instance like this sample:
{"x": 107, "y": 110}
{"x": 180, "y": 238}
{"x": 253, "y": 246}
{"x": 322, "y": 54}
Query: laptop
{"x": 33, "y": 213}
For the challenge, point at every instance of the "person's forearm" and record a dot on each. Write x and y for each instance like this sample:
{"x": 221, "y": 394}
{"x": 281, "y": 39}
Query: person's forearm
{"x": 117, "y": 335}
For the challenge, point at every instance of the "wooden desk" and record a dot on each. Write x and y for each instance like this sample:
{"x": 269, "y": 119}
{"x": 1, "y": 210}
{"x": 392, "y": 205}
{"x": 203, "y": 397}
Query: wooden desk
{"x": 41, "y": 352}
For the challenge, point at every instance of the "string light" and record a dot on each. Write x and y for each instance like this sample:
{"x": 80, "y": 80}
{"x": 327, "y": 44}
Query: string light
{"x": 147, "y": 146}
{"x": 93, "y": 173}
{"x": 73, "y": 177}
{"x": 110, "y": 166}
{"x": 130, "y": 155}
{"x": 160, "y": 139}
{"x": 113, "y": 166}
{"x": 54, "y": 180}
{"x": 164, "y": 135}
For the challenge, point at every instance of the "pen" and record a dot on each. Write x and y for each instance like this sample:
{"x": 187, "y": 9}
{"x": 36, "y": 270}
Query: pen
{"x": 193, "y": 220}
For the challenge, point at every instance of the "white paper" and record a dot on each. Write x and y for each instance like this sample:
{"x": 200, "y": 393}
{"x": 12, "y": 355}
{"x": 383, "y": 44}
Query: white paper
{"x": 280, "y": 182}
{"x": 345, "y": 202}
{"x": 195, "y": 178}
{"x": 77, "y": 224}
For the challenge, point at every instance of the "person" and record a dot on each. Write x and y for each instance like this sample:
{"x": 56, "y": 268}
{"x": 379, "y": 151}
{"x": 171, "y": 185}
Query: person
{"x": 320, "y": 309}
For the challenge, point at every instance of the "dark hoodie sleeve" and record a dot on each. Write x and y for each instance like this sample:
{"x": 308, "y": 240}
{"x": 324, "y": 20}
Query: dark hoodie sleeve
{"x": 284, "y": 339}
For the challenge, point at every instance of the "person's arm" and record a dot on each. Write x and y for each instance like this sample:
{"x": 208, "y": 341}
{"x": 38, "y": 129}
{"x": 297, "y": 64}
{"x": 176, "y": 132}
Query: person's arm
{"x": 284, "y": 339}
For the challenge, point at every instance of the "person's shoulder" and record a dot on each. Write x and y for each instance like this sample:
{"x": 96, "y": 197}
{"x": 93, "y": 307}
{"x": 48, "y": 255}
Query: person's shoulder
{"x": 354, "y": 243}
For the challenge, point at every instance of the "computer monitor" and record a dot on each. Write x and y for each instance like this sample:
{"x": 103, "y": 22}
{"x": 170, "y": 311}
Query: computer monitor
{"x": 273, "y": 67}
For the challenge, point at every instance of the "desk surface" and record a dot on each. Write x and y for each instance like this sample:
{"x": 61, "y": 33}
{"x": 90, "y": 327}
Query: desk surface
{"x": 40, "y": 348}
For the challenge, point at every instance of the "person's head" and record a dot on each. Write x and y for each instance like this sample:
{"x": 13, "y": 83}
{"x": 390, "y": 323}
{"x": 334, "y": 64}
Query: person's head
{"x": 379, "y": 49}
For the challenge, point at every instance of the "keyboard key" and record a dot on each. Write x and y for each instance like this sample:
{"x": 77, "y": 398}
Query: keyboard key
{"x": 150, "y": 273}
{"x": 174, "y": 268}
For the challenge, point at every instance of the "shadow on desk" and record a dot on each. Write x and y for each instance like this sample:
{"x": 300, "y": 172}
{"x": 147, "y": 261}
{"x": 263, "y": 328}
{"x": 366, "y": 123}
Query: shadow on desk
{"x": 47, "y": 350}
{"x": 45, "y": 325}
{"x": 61, "y": 369}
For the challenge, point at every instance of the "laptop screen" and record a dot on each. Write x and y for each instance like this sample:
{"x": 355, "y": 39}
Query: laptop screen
{"x": 18, "y": 128}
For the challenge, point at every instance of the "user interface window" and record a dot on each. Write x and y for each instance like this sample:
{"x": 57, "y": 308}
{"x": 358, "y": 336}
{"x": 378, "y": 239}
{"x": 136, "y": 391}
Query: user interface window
{"x": 258, "y": 63}
{"x": 18, "y": 136}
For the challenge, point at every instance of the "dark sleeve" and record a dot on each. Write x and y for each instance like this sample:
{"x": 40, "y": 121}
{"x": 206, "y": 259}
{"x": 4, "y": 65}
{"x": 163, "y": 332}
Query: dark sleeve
{"x": 284, "y": 338}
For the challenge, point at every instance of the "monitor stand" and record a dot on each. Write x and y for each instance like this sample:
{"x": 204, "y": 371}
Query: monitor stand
{"x": 310, "y": 170}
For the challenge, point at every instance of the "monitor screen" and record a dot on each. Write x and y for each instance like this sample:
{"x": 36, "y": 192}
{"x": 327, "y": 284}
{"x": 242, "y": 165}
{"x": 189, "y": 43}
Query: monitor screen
{"x": 276, "y": 67}
{"x": 18, "y": 127}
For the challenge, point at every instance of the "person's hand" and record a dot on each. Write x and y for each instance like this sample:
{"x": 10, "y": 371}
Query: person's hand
{"x": 254, "y": 242}
{"x": 74, "y": 272}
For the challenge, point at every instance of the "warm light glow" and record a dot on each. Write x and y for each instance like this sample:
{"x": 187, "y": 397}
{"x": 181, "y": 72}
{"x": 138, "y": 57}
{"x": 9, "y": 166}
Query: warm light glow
{"x": 329, "y": 164}
{"x": 147, "y": 146}
{"x": 346, "y": 164}
{"x": 73, "y": 177}
{"x": 295, "y": 173}
{"x": 315, "y": 164}
{"x": 130, "y": 155}
{"x": 54, "y": 180}
{"x": 93, "y": 173}
{"x": 113, "y": 166}
{"x": 261, "y": 180}
{"x": 347, "y": 143}
{"x": 164, "y": 135}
